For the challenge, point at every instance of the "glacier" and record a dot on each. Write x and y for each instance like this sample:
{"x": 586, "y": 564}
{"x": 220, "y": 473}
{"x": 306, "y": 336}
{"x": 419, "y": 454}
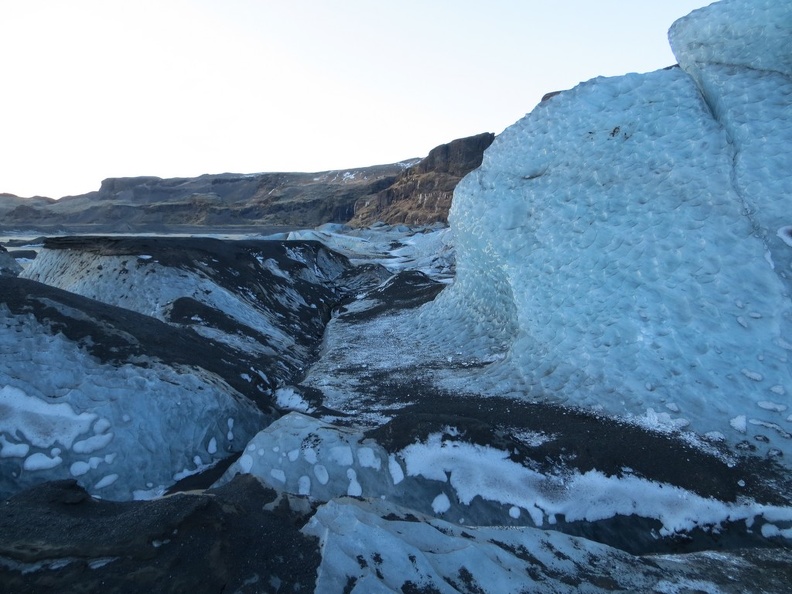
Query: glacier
{"x": 623, "y": 245}
{"x": 582, "y": 384}
{"x": 126, "y": 422}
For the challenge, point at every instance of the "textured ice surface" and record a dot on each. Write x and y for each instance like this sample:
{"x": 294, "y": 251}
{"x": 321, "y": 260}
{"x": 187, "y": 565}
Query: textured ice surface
{"x": 64, "y": 414}
{"x": 375, "y": 546}
{"x": 621, "y": 242}
{"x": 309, "y": 457}
{"x": 453, "y": 478}
{"x": 259, "y": 297}
{"x": 748, "y": 34}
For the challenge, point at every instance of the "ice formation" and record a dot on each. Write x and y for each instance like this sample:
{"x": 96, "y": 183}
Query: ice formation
{"x": 221, "y": 288}
{"x": 375, "y": 546}
{"x": 305, "y": 456}
{"x": 122, "y": 430}
{"x": 623, "y": 244}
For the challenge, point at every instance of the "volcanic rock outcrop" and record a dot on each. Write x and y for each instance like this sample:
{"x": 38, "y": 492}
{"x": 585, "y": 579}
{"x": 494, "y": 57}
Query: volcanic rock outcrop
{"x": 422, "y": 194}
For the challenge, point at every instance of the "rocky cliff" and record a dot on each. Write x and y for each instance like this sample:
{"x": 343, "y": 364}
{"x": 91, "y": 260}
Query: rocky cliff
{"x": 422, "y": 194}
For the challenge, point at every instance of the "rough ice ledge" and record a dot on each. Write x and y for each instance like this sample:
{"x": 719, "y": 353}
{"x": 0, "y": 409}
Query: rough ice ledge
{"x": 621, "y": 243}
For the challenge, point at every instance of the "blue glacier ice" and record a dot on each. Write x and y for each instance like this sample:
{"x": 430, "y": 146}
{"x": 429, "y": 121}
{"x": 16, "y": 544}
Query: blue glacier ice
{"x": 626, "y": 245}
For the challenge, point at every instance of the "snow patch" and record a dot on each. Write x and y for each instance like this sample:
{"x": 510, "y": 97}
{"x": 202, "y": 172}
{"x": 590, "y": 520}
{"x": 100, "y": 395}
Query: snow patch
{"x": 441, "y": 504}
{"x": 39, "y": 461}
{"x": 41, "y": 423}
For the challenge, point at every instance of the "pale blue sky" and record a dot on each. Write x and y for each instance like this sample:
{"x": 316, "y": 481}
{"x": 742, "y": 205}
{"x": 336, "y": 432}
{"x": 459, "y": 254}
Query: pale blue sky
{"x": 103, "y": 88}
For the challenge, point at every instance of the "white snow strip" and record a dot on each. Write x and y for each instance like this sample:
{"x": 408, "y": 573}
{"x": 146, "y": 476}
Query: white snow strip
{"x": 41, "y": 423}
{"x": 483, "y": 471}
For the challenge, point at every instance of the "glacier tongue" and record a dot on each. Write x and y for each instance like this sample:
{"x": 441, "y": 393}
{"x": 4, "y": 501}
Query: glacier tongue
{"x": 625, "y": 244}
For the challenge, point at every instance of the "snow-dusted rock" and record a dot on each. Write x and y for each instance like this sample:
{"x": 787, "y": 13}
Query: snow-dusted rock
{"x": 627, "y": 243}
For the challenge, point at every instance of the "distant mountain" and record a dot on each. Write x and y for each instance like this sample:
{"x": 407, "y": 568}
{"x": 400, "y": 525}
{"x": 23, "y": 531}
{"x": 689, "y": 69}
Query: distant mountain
{"x": 10, "y": 202}
{"x": 414, "y": 191}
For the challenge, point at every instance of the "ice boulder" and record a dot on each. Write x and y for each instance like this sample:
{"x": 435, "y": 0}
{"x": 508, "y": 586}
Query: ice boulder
{"x": 305, "y": 456}
{"x": 627, "y": 245}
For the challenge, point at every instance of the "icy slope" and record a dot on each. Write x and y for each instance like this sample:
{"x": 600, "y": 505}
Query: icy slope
{"x": 263, "y": 297}
{"x": 627, "y": 246}
{"x": 123, "y": 403}
{"x": 373, "y": 546}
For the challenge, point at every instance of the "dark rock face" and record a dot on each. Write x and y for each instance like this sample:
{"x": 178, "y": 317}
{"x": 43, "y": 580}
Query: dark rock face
{"x": 410, "y": 192}
{"x": 8, "y": 265}
{"x": 423, "y": 193}
{"x": 238, "y": 538}
{"x": 458, "y": 157}
{"x": 224, "y": 200}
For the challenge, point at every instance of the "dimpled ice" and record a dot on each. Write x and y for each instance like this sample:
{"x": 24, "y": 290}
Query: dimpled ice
{"x": 626, "y": 245}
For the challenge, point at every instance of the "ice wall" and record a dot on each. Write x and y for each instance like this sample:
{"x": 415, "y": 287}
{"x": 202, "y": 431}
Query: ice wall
{"x": 738, "y": 52}
{"x": 122, "y": 430}
{"x": 627, "y": 244}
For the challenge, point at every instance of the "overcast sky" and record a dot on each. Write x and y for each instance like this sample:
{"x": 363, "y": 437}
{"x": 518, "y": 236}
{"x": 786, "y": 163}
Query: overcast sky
{"x": 91, "y": 89}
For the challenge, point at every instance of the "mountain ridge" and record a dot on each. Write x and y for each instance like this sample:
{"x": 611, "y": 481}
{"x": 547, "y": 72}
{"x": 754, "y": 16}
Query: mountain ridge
{"x": 392, "y": 193}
